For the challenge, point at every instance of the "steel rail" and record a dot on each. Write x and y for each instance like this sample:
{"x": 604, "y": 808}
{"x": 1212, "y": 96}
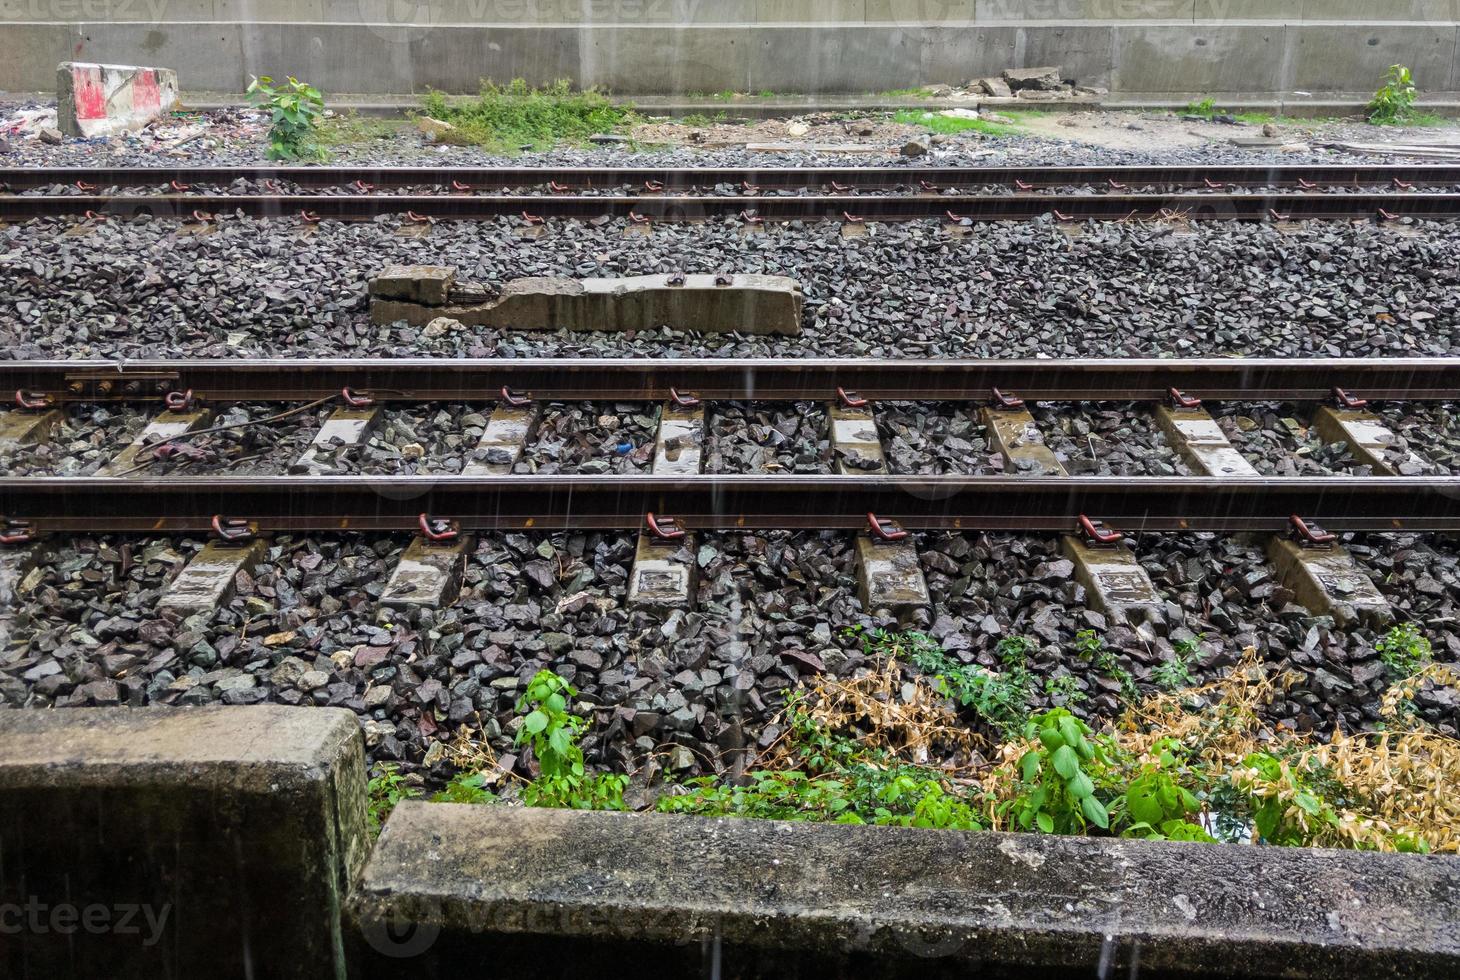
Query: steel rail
{"x": 784, "y": 379}
{"x": 769, "y": 178}
{"x": 365, "y": 503}
{"x": 688, "y": 208}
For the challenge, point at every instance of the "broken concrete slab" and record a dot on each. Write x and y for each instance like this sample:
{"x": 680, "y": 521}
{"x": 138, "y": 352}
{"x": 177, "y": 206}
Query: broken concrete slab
{"x": 996, "y": 87}
{"x": 1016, "y": 436}
{"x": 752, "y": 304}
{"x": 427, "y": 284}
{"x": 103, "y": 100}
{"x": 890, "y": 576}
{"x": 167, "y": 426}
{"x": 208, "y": 581}
{"x": 428, "y": 575}
{"x": 27, "y": 428}
{"x": 1115, "y": 582}
{"x": 1197, "y": 438}
{"x": 1369, "y": 440}
{"x": 1328, "y": 582}
{"x": 664, "y": 573}
{"x": 679, "y": 444}
{"x": 344, "y": 429}
{"x": 20, "y": 567}
{"x": 1046, "y": 79}
{"x": 229, "y": 837}
{"x": 854, "y": 440}
{"x": 835, "y": 900}
{"x": 507, "y": 434}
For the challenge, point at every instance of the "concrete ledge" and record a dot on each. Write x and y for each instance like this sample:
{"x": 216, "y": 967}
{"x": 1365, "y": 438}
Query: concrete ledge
{"x": 228, "y": 838}
{"x": 471, "y": 877}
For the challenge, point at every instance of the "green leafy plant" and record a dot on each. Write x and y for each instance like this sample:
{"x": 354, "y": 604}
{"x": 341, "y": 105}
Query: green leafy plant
{"x": 837, "y": 780}
{"x": 1091, "y": 648}
{"x": 1156, "y": 807}
{"x": 505, "y": 118}
{"x": 1000, "y": 698}
{"x": 1057, "y": 795}
{"x": 295, "y": 110}
{"x": 1394, "y": 101}
{"x": 1066, "y": 690}
{"x": 385, "y": 789}
{"x": 1175, "y": 673}
{"x": 563, "y": 780}
{"x": 466, "y": 787}
{"x": 1404, "y": 650}
{"x": 1205, "y": 108}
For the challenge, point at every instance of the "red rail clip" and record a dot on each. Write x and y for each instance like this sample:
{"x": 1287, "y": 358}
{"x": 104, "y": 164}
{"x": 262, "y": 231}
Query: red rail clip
{"x": 664, "y": 528}
{"x": 958, "y": 219}
{"x": 1306, "y": 185}
{"x": 178, "y": 401}
{"x": 1115, "y": 185}
{"x": 653, "y": 186}
{"x": 514, "y": 399}
{"x": 850, "y": 399}
{"x": 16, "y": 532}
{"x": 750, "y": 218}
{"x": 93, "y": 216}
{"x": 309, "y": 217}
{"x": 1343, "y": 399}
{"x": 1274, "y": 215}
{"x": 1403, "y": 185}
{"x": 180, "y": 187}
{"x": 363, "y": 187}
{"x": 686, "y": 399}
{"x": 438, "y": 529}
{"x": 1097, "y": 533}
{"x": 1008, "y": 401}
{"x": 556, "y": 187}
{"x": 531, "y": 219}
{"x": 884, "y": 530}
{"x": 232, "y": 529}
{"x": 356, "y": 399}
{"x": 638, "y": 219}
{"x": 1061, "y": 216}
{"x": 84, "y": 187}
{"x": 1020, "y": 185}
{"x": 853, "y": 219}
{"x": 202, "y": 217}
{"x": 419, "y": 219}
{"x": 1387, "y": 216}
{"x": 1180, "y": 399}
{"x": 928, "y": 185}
{"x": 748, "y": 186}
{"x": 457, "y": 185}
{"x": 1310, "y": 534}
{"x": 29, "y": 399}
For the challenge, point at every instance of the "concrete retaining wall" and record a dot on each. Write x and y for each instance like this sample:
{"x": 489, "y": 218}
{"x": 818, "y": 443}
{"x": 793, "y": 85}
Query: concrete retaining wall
{"x": 1133, "y": 47}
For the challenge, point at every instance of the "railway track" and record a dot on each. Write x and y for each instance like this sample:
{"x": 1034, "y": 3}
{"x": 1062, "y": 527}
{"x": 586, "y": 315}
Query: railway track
{"x": 139, "y": 501}
{"x": 763, "y": 195}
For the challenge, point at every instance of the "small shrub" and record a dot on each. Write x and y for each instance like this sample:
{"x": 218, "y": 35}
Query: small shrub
{"x": 1205, "y": 108}
{"x": 1000, "y": 698}
{"x": 1175, "y": 673}
{"x": 1394, "y": 101}
{"x": 385, "y": 789}
{"x": 1057, "y": 795}
{"x": 1091, "y": 648}
{"x": 466, "y": 787}
{"x": 1404, "y": 650}
{"x": 295, "y": 110}
{"x": 553, "y": 733}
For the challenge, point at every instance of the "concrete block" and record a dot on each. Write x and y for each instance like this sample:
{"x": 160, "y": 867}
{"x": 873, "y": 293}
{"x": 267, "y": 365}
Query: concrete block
{"x": 428, "y": 574}
{"x": 227, "y": 838}
{"x": 1219, "y": 58}
{"x": 1197, "y": 438}
{"x": 1369, "y": 440}
{"x": 506, "y": 436}
{"x": 854, "y": 440}
{"x": 209, "y": 580}
{"x": 1017, "y": 438}
{"x": 831, "y": 900}
{"x": 1328, "y": 582}
{"x": 679, "y": 444}
{"x": 205, "y": 57}
{"x": 664, "y": 573}
{"x": 168, "y": 425}
{"x": 889, "y": 576}
{"x": 428, "y": 284}
{"x": 747, "y": 304}
{"x": 27, "y": 428}
{"x": 1339, "y": 57}
{"x": 345, "y": 429}
{"x": 103, "y": 100}
{"x": 1115, "y": 583}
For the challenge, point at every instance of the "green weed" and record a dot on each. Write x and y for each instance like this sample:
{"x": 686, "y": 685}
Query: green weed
{"x": 553, "y": 733}
{"x": 506, "y": 118}
{"x": 385, "y": 789}
{"x": 1404, "y": 650}
{"x": 1394, "y": 102}
{"x": 295, "y": 111}
{"x": 948, "y": 125}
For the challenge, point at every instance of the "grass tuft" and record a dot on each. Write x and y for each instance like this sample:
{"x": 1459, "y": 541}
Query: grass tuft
{"x": 507, "y": 118}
